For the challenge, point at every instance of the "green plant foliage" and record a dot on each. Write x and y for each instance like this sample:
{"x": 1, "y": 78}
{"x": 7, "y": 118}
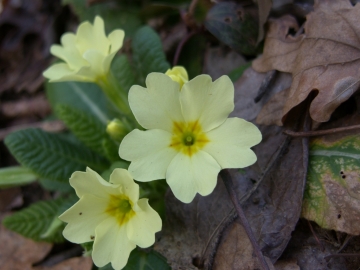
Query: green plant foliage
{"x": 51, "y": 156}
{"x": 331, "y": 197}
{"x": 111, "y": 149}
{"x": 236, "y": 73}
{"x": 192, "y": 55}
{"x": 123, "y": 72}
{"x": 125, "y": 17}
{"x": 85, "y": 127}
{"x": 87, "y": 97}
{"x": 33, "y": 222}
{"x": 232, "y": 24}
{"x": 14, "y": 176}
{"x": 118, "y": 164}
{"x": 141, "y": 260}
{"x": 148, "y": 53}
{"x": 55, "y": 185}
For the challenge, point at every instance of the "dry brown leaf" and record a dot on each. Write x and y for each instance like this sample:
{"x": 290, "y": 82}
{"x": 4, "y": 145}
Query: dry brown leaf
{"x": 325, "y": 58}
{"x": 271, "y": 113}
{"x": 240, "y": 258}
{"x": 290, "y": 264}
{"x": 20, "y": 253}
{"x": 83, "y": 263}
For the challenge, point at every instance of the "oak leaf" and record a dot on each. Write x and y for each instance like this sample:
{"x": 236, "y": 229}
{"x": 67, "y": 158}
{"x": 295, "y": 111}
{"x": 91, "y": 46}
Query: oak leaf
{"x": 324, "y": 58}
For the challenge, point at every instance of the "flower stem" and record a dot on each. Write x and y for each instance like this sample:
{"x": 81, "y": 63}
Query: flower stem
{"x": 225, "y": 175}
{"x": 319, "y": 132}
{"x": 115, "y": 93}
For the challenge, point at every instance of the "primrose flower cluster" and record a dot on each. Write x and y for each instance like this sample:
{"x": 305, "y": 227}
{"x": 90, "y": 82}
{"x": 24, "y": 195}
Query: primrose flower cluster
{"x": 188, "y": 139}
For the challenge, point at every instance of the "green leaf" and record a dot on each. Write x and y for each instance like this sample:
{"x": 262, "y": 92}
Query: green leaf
{"x": 331, "y": 197}
{"x": 236, "y": 73}
{"x": 230, "y": 23}
{"x": 15, "y": 176}
{"x": 148, "y": 53}
{"x": 118, "y": 164}
{"x": 87, "y": 97}
{"x": 33, "y": 222}
{"x": 125, "y": 17}
{"x": 192, "y": 55}
{"x": 88, "y": 129}
{"x": 51, "y": 155}
{"x": 55, "y": 185}
{"x": 123, "y": 72}
{"x": 141, "y": 260}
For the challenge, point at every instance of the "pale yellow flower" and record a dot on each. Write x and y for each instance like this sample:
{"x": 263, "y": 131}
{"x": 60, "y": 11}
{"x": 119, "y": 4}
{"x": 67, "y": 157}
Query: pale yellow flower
{"x": 178, "y": 74}
{"x": 111, "y": 215}
{"x": 87, "y": 55}
{"x": 189, "y": 137}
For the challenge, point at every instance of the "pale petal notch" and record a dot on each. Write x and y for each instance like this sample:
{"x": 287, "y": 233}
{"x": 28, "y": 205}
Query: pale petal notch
{"x": 158, "y": 105}
{"x": 187, "y": 176}
{"x": 90, "y": 182}
{"x": 116, "y": 39}
{"x": 142, "y": 227}
{"x": 68, "y": 52}
{"x": 149, "y": 153}
{"x": 207, "y": 101}
{"x": 124, "y": 179}
{"x": 230, "y": 143}
{"x": 83, "y": 217}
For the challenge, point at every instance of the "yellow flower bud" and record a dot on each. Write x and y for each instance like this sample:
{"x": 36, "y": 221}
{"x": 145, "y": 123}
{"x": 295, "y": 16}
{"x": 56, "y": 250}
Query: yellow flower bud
{"x": 178, "y": 74}
{"x": 117, "y": 130}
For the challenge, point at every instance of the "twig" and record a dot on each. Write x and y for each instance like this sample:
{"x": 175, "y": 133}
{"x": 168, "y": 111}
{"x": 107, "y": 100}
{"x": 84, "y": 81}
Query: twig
{"x": 342, "y": 255}
{"x": 192, "y": 7}
{"x": 315, "y": 236}
{"x": 319, "y": 132}
{"x": 346, "y": 241}
{"x": 50, "y": 126}
{"x": 230, "y": 188}
{"x": 181, "y": 45}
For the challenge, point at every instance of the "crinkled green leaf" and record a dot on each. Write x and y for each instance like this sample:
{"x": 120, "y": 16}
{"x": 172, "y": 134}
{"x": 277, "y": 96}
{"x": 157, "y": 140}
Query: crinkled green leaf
{"x": 16, "y": 175}
{"x": 148, "y": 53}
{"x": 332, "y": 194}
{"x": 87, "y": 97}
{"x": 141, "y": 260}
{"x": 115, "y": 15}
{"x": 123, "y": 72}
{"x": 232, "y": 24}
{"x": 33, "y": 222}
{"x": 51, "y": 155}
{"x": 88, "y": 129}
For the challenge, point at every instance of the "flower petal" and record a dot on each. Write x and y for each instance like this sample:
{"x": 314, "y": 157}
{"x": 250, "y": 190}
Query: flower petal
{"x": 107, "y": 62}
{"x": 142, "y": 227}
{"x": 83, "y": 217}
{"x": 158, "y": 105}
{"x": 116, "y": 39}
{"x": 95, "y": 59}
{"x": 230, "y": 143}
{"x": 111, "y": 245}
{"x": 208, "y": 102}
{"x": 68, "y": 52}
{"x": 187, "y": 176}
{"x": 149, "y": 152}
{"x": 124, "y": 179}
{"x": 90, "y": 36}
{"x": 90, "y": 182}
{"x": 61, "y": 72}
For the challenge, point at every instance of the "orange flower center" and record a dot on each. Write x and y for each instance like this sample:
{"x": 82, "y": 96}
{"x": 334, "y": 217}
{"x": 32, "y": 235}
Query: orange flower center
{"x": 188, "y": 138}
